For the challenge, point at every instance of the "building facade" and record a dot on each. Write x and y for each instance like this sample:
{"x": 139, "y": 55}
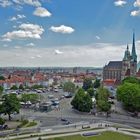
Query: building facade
{"x": 116, "y": 71}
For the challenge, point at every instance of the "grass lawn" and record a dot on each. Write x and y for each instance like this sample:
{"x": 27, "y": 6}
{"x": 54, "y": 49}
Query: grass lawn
{"x": 103, "y": 136}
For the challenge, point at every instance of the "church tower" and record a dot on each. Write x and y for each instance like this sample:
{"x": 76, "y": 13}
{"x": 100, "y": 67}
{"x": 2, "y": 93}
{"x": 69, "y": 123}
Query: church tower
{"x": 133, "y": 58}
{"x": 126, "y": 64}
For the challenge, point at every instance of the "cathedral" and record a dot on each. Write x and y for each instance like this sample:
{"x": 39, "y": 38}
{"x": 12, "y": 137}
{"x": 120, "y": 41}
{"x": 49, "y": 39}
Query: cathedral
{"x": 116, "y": 71}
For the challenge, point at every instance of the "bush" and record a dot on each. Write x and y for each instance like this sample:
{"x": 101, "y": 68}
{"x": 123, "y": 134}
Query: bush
{"x": 2, "y": 121}
{"x": 23, "y": 123}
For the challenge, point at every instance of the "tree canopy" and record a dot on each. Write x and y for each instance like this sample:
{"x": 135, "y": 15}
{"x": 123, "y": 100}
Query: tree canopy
{"x": 129, "y": 94}
{"x": 97, "y": 83}
{"x": 1, "y": 91}
{"x": 10, "y": 104}
{"x": 90, "y": 91}
{"x": 29, "y": 97}
{"x": 2, "y": 121}
{"x": 133, "y": 80}
{"x": 2, "y": 77}
{"x": 69, "y": 87}
{"x": 87, "y": 83}
{"x": 14, "y": 87}
{"x": 102, "y": 99}
{"x": 21, "y": 87}
{"x": 36, "y": 86}
{"x": 82, "y": 101}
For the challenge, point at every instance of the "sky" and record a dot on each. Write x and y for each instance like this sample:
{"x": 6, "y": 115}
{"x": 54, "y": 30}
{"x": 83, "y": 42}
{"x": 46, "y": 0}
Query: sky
{"x": 67, "y": 33}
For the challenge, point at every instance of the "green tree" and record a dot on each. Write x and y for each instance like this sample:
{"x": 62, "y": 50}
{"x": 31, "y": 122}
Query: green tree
{"x": 14, "y": 87}
{"x": 1, "y": 90}
{"x": 36, "y": 86}
{"x": 132, "y": 80}
{"x": 2, "y": 121}
{"x": 129, "y": 94}
{"x": 103, "y": 105}
{"x": 21, "y": 87}
{"x": 33, "y": 98}
{"x": 90, "y": 91}
{"x": 82, "y": 101}
{"x": 69, "y": 87}
{"x": 102, "y": 99}
{"x": 102, "y": 94}
{"x": 2, "y": 77}
{"x": 87, "y": 83}
{"x": 97, "y": 83}
{"x": 10, "y": 104}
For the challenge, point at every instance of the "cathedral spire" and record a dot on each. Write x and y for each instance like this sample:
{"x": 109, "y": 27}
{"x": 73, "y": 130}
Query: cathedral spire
{"x": 134, "y": 55}
{"x": 127, "y": 54}
{"x": 127, "y": 47}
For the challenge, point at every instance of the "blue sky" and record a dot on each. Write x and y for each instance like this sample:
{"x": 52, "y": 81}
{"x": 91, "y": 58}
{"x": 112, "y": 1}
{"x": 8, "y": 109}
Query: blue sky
{"x": 66, "y": 32}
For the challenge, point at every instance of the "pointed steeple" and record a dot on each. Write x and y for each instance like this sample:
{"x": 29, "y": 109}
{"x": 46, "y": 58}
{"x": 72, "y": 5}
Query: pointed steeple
{"x": 127, "y": 54}
{"x": 134, "y": 55}
{"x": 127, "y": 47}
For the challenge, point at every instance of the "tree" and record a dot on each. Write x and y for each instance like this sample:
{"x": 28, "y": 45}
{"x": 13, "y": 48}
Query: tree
{"x": 103, "y": 105}
{"x": 10, "y": 104}
{"x": 97, "y": 83}
{"x": 29, "y": 97}
{"x": 132, "y": 80}
{"x": 14, "y": 87}
{"x": 21, "y": 87}
{"x": 69, "y": 87}
{"x": 129, "y": 95}
{"x": 102, "y": 94}
{"x": 90, "y": 91}
{"x": 82, "y": 101}
{"x": 36, "y": 86}
{"x": 102, "y": 99}
{"x": 87, "y": 84}
{"x": 1, "y": 90}
{"x": 2, "y": 77}
{"x": 2, "y": 121}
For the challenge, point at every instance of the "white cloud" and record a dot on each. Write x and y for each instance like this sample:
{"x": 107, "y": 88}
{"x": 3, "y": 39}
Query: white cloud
{"x": 32, "y": 57}
{"x": 17, "y": 47}
{"x": 86, "y": 55}
{"x": 17, "y": 17}
{"x": 14, "y": 26}
{"x": 13, "y": 19}
{"x": 62, "y": 29}
{"x": 5, "y": 3}
{"x": 41, "y": 12}
{"x": 97, "y": 37}
{"x": 120, "y": 3}
{"x": 137, "y": 3}
{"x": 25, "y": 31}
{"x": 5, "y": 45}
{"x": 30, "y": 44}
{"x": 6, "y": 39}
{"x": 58, "y": 52}
{"x": 135, "y": 13}
{"x": 32, "y": 2}
{"x": 21, "y": 16}
{"x": 38, "y": 56}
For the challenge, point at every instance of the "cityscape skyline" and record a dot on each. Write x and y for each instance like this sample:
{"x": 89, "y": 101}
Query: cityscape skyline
{"x": 43, "y": 33}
